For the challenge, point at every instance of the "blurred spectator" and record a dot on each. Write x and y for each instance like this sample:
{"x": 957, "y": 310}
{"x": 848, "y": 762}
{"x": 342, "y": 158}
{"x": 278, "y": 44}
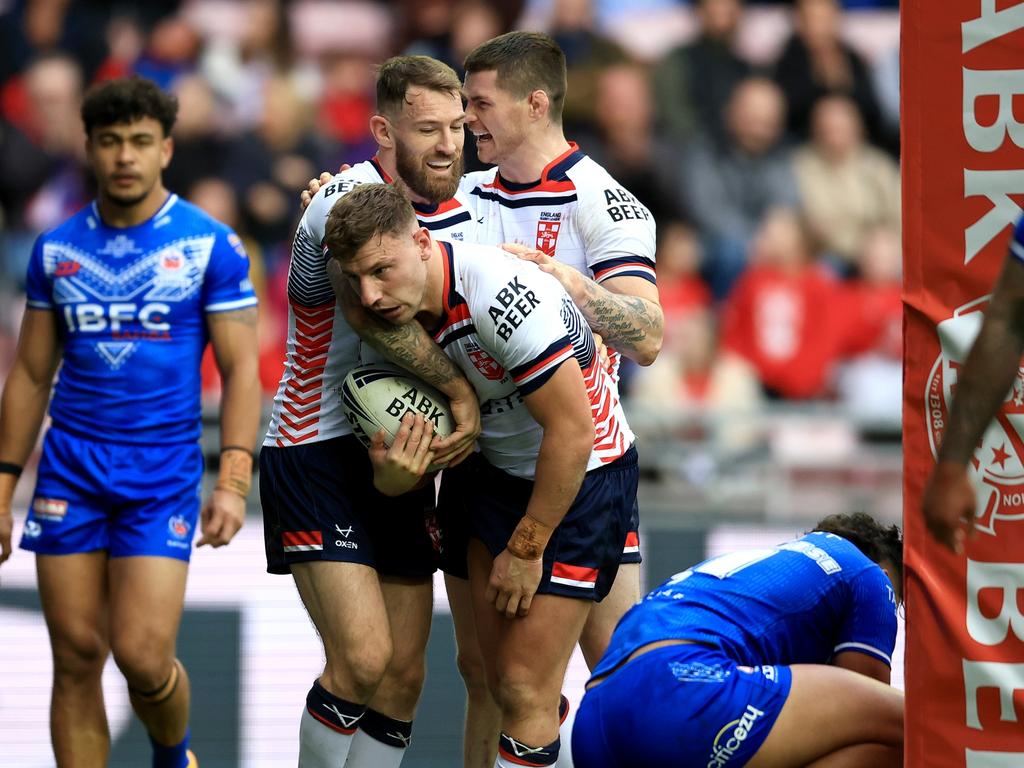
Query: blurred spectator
{"x": 720, "y": 392}
{"x": 473, "y": 22}
{"x": 26, "y": 167}
{"x": 44, "y": 180}
{"x": 729, "y": 186}
{"x": 608, "y": 13}
{"x": 626, "y": 144}
{"x": 870, "y": 382}
{"x": 816, "y": 62}
{"x": 694, "y": 81}
{"x": 426, "y": 30}
{"x": 54, "y": 88}
{"x": 885, "y": 72}
{"x": 847, "y": 187}
{"x": 239, "y": 69}
{"x": 199, "y": 148}
{"x": 126, "y": 40}
{"x": 270, "y": 164}
{"x": 346, "y": 105}
{"x": 171, "y": 51}
{"x": 447, "y": 30}
{"x": 680, "y": 287}
{"x": 785, "y": 316}
{"x": 586, "y": 53}
{"x": 35, "y": 27}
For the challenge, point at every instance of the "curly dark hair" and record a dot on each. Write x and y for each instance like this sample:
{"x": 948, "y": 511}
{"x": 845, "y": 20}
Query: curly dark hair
{"x": 876, "y": 541}
{"x": 125, "y": 100}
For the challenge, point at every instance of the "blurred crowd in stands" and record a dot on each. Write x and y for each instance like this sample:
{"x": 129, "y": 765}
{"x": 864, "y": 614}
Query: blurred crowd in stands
{"x": 763, "y": 136}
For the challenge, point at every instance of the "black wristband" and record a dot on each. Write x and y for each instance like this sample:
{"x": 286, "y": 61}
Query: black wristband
{"x": 236, "y": 448}
{"x": 6, "y": 468}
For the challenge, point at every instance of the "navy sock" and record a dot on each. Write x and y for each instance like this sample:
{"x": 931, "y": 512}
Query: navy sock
{"x": 387, "y": 730}
{"x": 515, "y": 753}
{"x": 336, "y": 713}
{"x": 170, "y": 757}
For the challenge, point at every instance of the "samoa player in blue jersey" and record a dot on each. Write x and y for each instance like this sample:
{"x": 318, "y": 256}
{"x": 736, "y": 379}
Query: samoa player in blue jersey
{"x": 124, "y": 296}
{"x": 771, "y": 657}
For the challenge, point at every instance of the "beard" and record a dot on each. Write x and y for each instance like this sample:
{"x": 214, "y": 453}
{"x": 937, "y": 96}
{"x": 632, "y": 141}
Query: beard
{"x": 429, "y": 187}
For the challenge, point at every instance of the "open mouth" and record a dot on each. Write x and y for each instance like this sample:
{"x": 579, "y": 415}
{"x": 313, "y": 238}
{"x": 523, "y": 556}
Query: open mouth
{"x": 440, "y": 165}
{"x": 483, "y": 137}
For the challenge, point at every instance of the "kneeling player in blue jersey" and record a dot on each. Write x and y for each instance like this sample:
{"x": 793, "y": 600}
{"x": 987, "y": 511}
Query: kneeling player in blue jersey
{"x": 125, "y": 295}
{"x": 767, "y": 658}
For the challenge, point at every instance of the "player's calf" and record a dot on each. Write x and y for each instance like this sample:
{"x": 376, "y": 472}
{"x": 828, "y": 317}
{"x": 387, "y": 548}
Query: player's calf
{"x": 380, "y": 742}
{"x": 328, "y": 725}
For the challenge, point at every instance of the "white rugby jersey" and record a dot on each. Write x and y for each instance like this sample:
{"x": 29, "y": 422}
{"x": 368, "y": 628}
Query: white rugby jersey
{"x": 576, "y": 212}
{"x": 321, "y": 347}
{"x": 509, "y": 326}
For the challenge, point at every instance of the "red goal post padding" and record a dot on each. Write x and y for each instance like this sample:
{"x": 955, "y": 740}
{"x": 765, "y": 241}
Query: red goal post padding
{"x": 963, "y": 181}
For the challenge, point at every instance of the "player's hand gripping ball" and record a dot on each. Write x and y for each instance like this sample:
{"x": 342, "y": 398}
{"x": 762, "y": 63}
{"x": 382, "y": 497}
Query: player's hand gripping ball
{"x": 378, "y": 395}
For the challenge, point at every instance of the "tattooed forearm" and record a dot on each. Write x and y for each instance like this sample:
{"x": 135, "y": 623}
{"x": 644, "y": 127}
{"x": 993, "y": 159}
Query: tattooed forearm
{"x": 410, "y": 347}
{"x": 630, "y": 324}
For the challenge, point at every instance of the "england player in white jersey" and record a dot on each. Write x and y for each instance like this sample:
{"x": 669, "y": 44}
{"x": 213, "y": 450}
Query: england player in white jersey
{"x": 549, "y": 503}
{"x": 362, "y": 562}
{"x": 594, "y": 236}
{"x": 588, "y": 231}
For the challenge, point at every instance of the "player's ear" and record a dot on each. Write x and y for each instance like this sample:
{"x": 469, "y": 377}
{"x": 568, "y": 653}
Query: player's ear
{"x": 380, "y": 128}
{"x": 539, "y": 104}
{"x": 166, "y": 152}
{"x": 422, "y": 239}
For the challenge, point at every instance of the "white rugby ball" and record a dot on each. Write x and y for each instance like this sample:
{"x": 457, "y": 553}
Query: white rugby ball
{"x": 378, "y": 395}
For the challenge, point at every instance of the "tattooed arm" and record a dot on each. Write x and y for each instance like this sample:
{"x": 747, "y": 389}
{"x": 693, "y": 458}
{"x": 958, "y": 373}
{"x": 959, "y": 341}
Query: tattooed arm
{"x": 624, "y": 310}
{"x": 412, "y": 348}
{"x": 985, "y": 379}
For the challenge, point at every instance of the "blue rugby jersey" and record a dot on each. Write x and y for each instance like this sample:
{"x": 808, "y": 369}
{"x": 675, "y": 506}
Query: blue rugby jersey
{"x": 130, "y": 305}
{"x": 801, "y": 602}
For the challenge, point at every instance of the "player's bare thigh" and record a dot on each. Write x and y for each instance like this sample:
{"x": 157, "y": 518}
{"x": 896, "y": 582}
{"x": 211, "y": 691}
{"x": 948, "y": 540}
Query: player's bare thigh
{"x": 524, "y": 657}
{"x": 73, "y": 590}
{"x": 830, "y": 709}
{"x": 147, "y": 596}
{"x": 345, "y": 602}
{"x": 597, "y": 632}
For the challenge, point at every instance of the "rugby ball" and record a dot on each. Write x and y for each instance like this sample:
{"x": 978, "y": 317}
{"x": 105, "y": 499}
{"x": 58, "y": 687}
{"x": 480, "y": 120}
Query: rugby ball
{"x": 378, "y": 395}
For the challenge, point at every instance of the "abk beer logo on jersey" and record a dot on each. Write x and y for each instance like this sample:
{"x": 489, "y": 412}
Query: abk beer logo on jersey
{"x": 997, "y": 468}
{"x": 547, "y": 231}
